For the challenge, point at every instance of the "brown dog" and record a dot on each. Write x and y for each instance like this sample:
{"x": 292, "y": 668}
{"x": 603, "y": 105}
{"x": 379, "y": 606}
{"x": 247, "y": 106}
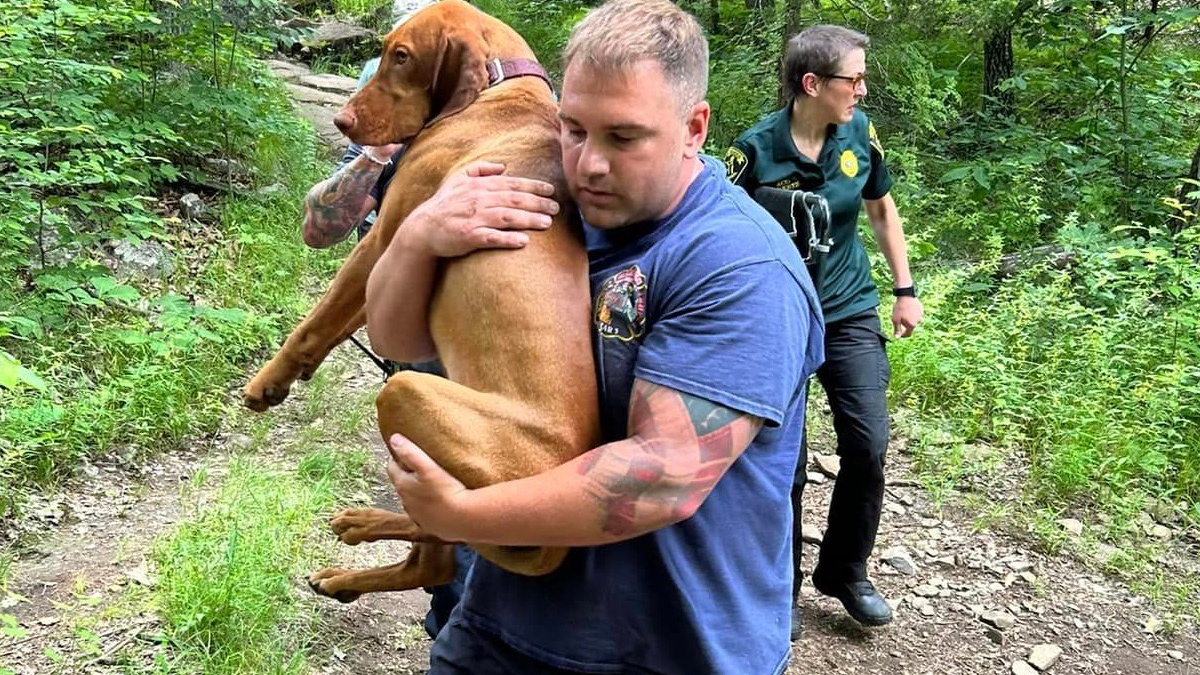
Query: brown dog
{"x": 511, "y": 327}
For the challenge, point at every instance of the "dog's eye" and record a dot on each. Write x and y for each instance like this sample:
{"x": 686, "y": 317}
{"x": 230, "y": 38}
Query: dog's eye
{"x": 400, "y": 56}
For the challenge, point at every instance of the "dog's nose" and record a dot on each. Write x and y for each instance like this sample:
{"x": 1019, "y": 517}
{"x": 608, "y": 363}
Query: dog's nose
{"x": 345, "y": 121}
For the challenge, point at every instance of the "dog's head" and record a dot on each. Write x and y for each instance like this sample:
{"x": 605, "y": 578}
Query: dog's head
{"x": 433, "y": 65}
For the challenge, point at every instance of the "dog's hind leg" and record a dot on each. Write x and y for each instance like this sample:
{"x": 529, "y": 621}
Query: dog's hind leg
{"x": 481, "y": 439}
{"x": 354, "y": 526}
{"x": 426, "y": 565}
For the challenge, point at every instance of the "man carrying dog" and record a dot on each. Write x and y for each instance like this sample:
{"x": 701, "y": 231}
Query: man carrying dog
{"x": 705, "y": 328}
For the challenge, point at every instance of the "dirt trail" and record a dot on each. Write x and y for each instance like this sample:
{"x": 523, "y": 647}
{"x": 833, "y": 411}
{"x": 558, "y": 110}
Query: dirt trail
{"x": 968, "y": 601}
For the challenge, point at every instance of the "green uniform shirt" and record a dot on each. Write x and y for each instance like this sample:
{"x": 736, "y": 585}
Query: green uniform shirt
{"x": 849, "y": 170}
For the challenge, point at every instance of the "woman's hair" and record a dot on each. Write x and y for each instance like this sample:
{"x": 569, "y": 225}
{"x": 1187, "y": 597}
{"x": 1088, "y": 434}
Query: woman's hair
{"x": 818, "y": 50}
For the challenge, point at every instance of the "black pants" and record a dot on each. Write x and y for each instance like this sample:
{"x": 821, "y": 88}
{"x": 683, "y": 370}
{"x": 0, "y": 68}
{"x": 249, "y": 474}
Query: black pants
{"x": 855, "y": 377}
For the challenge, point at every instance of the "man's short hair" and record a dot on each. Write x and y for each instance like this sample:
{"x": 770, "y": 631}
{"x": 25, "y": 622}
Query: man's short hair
{"x": 621, "y": 33}
{"x": 818, "y": 50}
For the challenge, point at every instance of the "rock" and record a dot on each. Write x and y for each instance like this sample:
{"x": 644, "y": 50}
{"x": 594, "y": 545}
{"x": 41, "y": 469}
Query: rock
{"x": 271, "y": 190}
{"x": 309, "y": 95}
{"x": 1044, "y": 656}
{"x": 810, "y": 534}
{"x": 1160, "y": 532}
{"x": 148, "y": 259}
{"x": 1152, "y": 625}
{"x": 1022, "y": 668}
{"x": 1019, "y": 565}
{"x": 140, "y": 576}
{"x": 926, "y": 591}
{"x": 337, "y": 84}
{"x": 1071, "y": 525}
{"x": 899, "y": 559}
{"x": 829, "y": 464}
{"x": 994, "y": 635}
{"x": 998, "y": 618}
{"x": 287, "y": 70}
{"x": 1175, "y": 654}
{"x": 814, "y": 478}
{"x": 1029, "y": 577}
{"x": 192, "y": 206}
{"x": 48, "y": 245}
{"x": 322, "y": 122}
{"x": 894, "y": 509}
{"x": 337, "y": 35}
{"x": 297, "y": 23}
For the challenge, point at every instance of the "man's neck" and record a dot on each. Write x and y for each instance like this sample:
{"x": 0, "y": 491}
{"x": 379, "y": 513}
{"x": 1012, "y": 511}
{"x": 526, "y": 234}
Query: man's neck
{"x": 691, "y": 169}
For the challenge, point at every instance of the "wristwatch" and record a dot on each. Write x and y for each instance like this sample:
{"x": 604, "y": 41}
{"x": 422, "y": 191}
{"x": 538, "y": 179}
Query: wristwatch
{"x": 909, "y": 291}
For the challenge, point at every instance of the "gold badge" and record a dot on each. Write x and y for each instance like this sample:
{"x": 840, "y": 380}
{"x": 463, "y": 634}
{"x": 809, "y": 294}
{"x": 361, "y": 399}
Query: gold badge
{"x": 849, "y": 163}
{"x": 735, "y": 163}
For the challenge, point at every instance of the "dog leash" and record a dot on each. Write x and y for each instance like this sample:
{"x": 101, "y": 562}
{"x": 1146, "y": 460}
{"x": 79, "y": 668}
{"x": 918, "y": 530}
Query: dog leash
{"x": 383, "y": 365}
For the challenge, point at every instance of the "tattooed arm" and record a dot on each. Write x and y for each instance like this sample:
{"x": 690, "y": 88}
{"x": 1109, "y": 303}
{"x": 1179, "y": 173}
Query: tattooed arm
{"x": 679, "y": 446}
{"x": 335, "y": 205}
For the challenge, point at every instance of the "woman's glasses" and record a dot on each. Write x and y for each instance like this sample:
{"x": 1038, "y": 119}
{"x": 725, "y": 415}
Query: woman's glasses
{"x": 854, "y": 80}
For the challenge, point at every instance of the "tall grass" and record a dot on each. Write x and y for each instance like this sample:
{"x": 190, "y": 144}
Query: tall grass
{"x": 228, "y": 574}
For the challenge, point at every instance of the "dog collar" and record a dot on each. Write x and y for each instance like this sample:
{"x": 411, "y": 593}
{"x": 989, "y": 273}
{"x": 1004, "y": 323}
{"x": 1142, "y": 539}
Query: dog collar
{"x": 499, "y": 70}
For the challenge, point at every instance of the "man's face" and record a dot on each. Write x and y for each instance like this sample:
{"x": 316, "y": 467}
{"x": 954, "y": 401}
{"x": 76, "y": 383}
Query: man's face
{"x": 628, "y": 152}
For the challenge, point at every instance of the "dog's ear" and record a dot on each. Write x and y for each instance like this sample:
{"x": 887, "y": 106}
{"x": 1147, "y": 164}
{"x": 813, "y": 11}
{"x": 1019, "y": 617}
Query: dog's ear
{"x": 461, "y": 73}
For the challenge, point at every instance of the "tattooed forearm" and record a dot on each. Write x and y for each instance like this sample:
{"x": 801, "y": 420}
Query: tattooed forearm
{"x": 679, "y": 447}
{"x": 334, "y": 206}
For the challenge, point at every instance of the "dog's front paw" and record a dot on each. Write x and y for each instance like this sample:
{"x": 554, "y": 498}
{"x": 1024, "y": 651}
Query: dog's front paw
{"x": 354, "y": 526}
{"x": 329, "y": 583}
{"x": 259, "y": 395}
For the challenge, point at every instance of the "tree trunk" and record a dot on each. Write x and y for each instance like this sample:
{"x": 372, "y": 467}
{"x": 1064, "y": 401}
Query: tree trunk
{"x": 791, "y": 25}
{"x": 714, "y": 16}
{"x": 998, "y": 67}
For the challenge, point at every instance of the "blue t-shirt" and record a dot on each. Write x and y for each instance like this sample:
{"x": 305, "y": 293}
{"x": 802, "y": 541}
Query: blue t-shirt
{"x": 713, "y": 301}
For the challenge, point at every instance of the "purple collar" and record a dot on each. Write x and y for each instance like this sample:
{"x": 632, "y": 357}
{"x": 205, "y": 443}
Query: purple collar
{"x": 499, "y": 70}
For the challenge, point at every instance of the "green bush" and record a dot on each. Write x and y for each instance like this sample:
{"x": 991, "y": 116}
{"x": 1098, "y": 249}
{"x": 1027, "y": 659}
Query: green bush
{"x": 102, "y": 106}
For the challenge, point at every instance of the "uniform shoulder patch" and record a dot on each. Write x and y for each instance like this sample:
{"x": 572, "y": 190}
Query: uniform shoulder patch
{"x": 873, "y": 138}
{"x": 735, "y": 163}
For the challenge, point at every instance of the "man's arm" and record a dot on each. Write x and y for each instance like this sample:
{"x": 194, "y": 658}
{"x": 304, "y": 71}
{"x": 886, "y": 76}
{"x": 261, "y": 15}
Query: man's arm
{"x": 333, "y": 207}
{"x": 679, "y": 446}
{"x": 473, "y": 209}
{"x": 889, "y": 234}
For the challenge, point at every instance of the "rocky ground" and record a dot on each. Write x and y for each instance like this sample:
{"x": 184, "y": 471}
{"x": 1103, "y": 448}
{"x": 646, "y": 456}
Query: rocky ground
{"x": 969, "y": 599}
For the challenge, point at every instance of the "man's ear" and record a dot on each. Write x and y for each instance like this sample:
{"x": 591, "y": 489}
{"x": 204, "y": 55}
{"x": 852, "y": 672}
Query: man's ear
{"x": 696, "y": 124}
{"x": 459, "y": 75}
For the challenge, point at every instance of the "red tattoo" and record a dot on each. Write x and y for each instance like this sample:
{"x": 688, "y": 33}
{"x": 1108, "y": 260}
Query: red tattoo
{"x": 679, "y": 447}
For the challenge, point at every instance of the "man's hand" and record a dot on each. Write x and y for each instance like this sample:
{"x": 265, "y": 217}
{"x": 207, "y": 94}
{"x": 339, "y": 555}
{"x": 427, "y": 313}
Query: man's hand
{"x": 431, "y": 496}
{"x": 907, "y": 312}
{"x": 479, "y": 208}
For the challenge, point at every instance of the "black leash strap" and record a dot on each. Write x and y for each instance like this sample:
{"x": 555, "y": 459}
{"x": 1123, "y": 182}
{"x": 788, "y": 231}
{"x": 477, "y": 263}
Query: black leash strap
{"x": 387, "y": 371}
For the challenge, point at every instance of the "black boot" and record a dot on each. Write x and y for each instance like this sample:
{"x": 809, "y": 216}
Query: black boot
{"x": 862, "y": 602}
